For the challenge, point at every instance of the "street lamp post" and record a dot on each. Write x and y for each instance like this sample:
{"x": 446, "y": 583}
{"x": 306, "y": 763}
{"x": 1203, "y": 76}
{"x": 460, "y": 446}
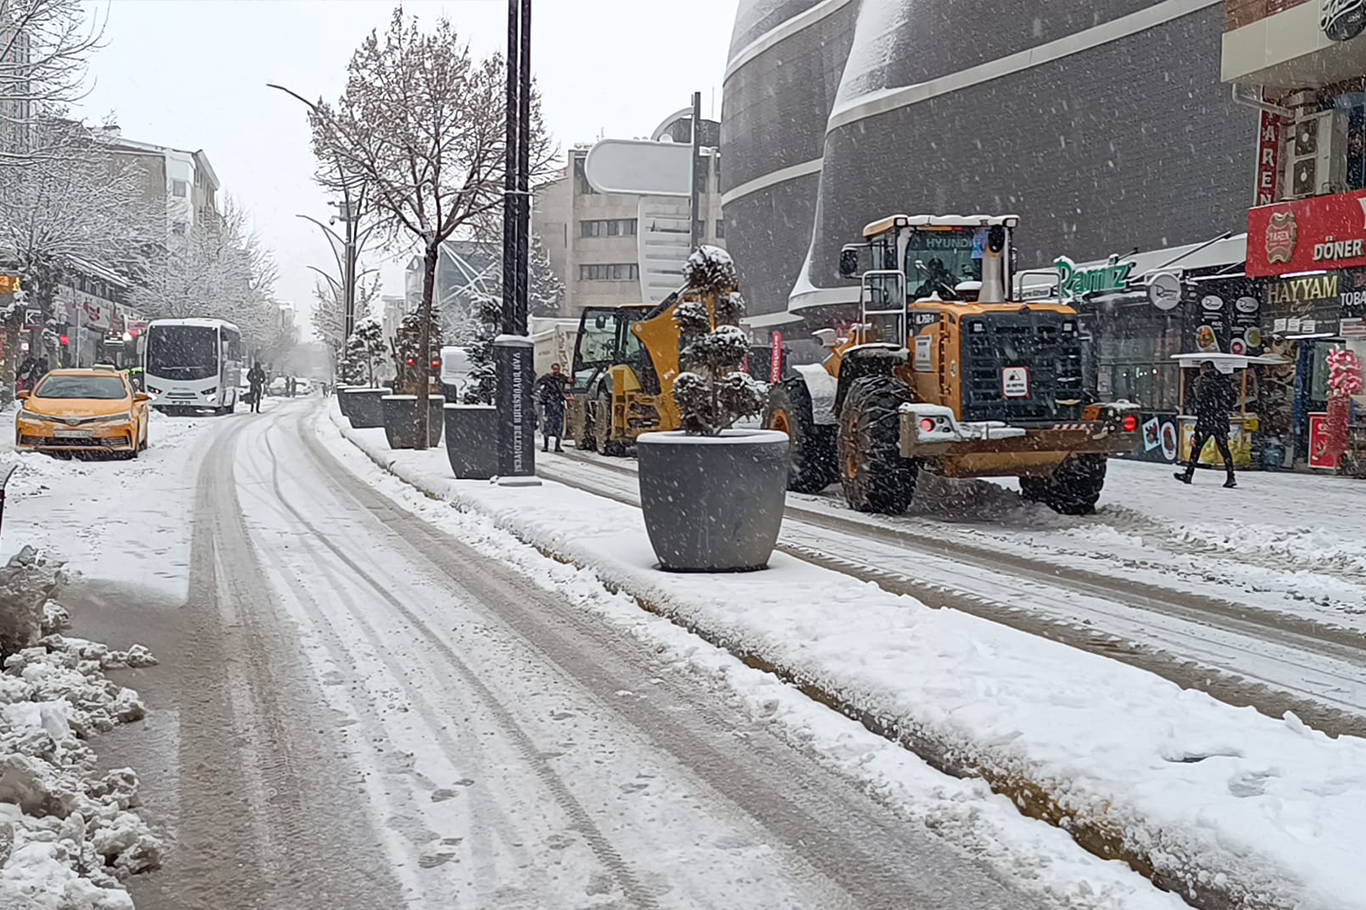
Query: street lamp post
{"x": 349, "y": 210}
{"x": 513, "y": 350}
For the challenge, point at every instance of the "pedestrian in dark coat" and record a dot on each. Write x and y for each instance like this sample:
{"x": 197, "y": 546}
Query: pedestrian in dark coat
{"x": 1215, "y": 399}
{"x": 256, "y": 378}
{"x": 551, "y": 390}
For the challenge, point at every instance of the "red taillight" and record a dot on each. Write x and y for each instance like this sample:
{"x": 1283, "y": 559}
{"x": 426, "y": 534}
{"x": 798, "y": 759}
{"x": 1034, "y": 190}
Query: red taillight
{"x": 436, "y": 364}
{"x": 1130, "y": 424}
{"x": 412, "y": 362}
{"x": 926, "y": 425}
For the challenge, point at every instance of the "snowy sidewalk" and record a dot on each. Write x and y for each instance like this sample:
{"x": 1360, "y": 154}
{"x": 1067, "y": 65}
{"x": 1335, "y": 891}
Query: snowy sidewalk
{"x": 1225, "y": 804}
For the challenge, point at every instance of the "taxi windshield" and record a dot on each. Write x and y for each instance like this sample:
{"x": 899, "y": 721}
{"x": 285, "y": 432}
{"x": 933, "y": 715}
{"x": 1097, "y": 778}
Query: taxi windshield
{"x": 99, "y": 388}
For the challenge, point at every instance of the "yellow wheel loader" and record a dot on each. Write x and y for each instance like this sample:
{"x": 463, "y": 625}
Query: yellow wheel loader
{"x": 943, "y": 372}
{"x": 625, "y": 363}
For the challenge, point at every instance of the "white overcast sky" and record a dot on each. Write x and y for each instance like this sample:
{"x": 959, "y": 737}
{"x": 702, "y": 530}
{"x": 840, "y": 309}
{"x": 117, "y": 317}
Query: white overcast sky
{"x": 191, "y": 74}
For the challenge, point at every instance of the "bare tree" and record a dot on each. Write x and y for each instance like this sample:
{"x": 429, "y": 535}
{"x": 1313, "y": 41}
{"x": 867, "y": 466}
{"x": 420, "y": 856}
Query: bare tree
{"x": 422, "y": 124}
{"x": 329, "y": 312}
{"x": 216, "y": 268}
{"x": 45, "y": 46}
{"x": 59, "y": 213}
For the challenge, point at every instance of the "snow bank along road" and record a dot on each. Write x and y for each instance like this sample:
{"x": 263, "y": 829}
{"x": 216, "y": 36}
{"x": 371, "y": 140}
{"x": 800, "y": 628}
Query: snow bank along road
{"x": 1207, "y": 638}
{"x": 370, "y": 713}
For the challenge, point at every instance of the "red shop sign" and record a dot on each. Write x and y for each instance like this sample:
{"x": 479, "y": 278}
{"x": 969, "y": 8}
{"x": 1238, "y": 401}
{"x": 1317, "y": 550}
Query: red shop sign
{"x": 1268, "y": 159}
{"x": 1325, "y": 232}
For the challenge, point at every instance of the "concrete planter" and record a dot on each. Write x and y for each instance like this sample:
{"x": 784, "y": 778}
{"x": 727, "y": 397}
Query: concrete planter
{"x": 401, "y": 424}
{"x": 472, "y": 440}
{"x": 713, "y": 504}
{"x": 343, "y": 404}
{"x": 365, "y": 408}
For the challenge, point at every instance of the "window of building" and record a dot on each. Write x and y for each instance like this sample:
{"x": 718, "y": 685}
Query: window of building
{"x": 720, "y": 228}
{"x": 180, "y": 188}
{"x": 581, "y": 179}
{"x": 611, "y": 227}
{"x": 626, "y": 271}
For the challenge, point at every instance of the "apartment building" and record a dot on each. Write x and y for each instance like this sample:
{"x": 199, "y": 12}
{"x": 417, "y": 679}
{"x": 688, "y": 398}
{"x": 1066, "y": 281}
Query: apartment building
{"x": 612, "y": 249}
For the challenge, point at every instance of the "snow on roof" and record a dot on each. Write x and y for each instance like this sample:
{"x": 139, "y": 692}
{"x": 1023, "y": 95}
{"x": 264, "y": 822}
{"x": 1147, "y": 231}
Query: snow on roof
{"x": 194, "y": 321}
{"x": 979, "y": 220}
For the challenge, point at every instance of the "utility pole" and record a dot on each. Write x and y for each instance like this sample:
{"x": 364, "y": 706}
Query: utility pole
{"x": 699, "y": 174}
{"x": 513, "y": 349}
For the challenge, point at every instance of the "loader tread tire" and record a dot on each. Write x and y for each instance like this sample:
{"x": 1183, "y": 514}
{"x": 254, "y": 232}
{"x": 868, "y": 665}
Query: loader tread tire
{"x": 812, "y": 460}
{"x": 1072, "y": 489}
{"x": 873, "y": 474}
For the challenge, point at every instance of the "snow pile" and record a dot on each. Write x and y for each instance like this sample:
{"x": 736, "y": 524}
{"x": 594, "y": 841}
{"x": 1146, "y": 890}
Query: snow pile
{"x": 67, "y": 835}
{"x": 27, "y": 581}
{"x": 1228, "y": 806}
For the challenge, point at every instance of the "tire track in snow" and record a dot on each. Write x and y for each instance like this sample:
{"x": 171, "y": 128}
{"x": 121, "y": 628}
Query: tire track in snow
{"x": 819, "y": 817}
{"x": 607, "y": 854}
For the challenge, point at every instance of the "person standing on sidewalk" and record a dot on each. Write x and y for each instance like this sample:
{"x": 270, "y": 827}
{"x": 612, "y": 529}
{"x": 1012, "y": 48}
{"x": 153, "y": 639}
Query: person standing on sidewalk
{"x": 551, "y": 391}
{"x": 1214, "y": 401}
{"x": 256, "y": 378}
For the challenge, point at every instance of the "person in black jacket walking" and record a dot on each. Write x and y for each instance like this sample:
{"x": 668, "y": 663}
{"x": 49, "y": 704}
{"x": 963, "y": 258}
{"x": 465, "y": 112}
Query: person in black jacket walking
{"x": 551, "y": 390}
{"x": 1214, "y": 400}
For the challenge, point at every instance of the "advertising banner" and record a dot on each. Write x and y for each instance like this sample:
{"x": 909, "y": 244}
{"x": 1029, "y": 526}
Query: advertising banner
{"x": 1318, "y": 444}
{"x": 1324, "y": 232}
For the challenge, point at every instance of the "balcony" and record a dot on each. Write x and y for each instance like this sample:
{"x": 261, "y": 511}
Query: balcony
{"x": 1280, "y": 44}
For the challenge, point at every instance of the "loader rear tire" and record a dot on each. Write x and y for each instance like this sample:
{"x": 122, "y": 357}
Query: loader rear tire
{"x": 1072, "y": 489}
{"x": 874, "y": 475}
{"x": 812, "y": 465}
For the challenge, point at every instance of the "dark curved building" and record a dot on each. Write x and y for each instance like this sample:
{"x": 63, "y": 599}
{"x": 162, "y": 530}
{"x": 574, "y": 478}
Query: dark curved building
{"x": 1103, "y": 124}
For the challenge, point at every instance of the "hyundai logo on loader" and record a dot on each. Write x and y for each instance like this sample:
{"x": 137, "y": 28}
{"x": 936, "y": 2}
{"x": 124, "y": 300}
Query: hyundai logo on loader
{"x": 988, "y": 388}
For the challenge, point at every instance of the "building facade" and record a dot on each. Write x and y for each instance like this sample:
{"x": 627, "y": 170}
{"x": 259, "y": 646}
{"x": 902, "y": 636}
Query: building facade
{"x": 1103, "y": 125}
{"x": 613, "y": 249}
{"x": 184, "y": 180}
{"x": 1304, "y": 63}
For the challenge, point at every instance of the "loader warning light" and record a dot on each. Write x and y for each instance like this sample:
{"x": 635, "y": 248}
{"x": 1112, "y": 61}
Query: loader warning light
{"x": 926, "y": 425}
{"x": 1131, "y": 424}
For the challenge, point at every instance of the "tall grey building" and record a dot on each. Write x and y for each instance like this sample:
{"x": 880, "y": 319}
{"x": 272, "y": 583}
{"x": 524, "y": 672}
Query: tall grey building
{"x": 1104, "y": 125}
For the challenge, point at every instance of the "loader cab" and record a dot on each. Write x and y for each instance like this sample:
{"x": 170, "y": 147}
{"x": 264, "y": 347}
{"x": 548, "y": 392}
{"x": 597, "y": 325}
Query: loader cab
{"x": 910, "y": 258}
{"x": 604, "y": 340}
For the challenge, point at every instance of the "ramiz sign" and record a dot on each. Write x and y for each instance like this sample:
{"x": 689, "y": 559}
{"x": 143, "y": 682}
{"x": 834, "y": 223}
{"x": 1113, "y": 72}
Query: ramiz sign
{"x": 1307, "y": 235}
{"x": 1075, "y": 283}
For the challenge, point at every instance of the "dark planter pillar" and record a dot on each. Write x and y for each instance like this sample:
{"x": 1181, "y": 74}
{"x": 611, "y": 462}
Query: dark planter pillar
{"x": 472, "y": 440}
{"x": 401, "y": 423}
{"x": 713, "y": 504}
{"x": 366, "y": 408}
{"x": 342, "y": 402}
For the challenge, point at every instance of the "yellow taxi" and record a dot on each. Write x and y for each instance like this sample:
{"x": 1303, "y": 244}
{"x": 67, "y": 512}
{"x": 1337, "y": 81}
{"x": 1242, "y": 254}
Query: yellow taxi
{"x": 82, "y": 411}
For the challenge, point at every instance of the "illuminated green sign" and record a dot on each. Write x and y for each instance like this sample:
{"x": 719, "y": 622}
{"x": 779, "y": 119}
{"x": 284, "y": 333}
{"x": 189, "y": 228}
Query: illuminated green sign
{"x": 1075, "y": 283}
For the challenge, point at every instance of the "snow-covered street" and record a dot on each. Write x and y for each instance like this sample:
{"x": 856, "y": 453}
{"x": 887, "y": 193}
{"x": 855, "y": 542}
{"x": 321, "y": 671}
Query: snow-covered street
{"x": 367, "y": 697}
{"x": 1218, "y": 590}
{"x": 356, "y": 708}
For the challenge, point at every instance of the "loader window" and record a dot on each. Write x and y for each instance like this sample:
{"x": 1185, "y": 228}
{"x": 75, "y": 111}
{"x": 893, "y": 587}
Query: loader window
{"x": 597, "y": 345}
{"x": 936, "y": 261}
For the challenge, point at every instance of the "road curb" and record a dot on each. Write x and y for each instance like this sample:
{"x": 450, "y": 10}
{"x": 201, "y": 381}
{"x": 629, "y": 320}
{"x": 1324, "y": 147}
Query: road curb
{"x": 1200, "y": 885}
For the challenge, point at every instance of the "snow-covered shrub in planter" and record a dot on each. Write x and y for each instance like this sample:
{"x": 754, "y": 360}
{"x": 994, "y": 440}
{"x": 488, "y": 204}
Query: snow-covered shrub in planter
{"x": 713, "y": 495}
{"x": 402, "y": 411}
{"x": 364, "y": 407}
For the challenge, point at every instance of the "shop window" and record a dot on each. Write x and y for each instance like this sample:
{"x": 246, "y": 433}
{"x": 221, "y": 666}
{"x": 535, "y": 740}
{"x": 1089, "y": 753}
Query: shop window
{"x": 1355, "y": 105}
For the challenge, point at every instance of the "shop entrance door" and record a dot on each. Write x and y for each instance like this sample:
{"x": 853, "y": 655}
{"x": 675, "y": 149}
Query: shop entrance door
{"x": 1311, "y": 390}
